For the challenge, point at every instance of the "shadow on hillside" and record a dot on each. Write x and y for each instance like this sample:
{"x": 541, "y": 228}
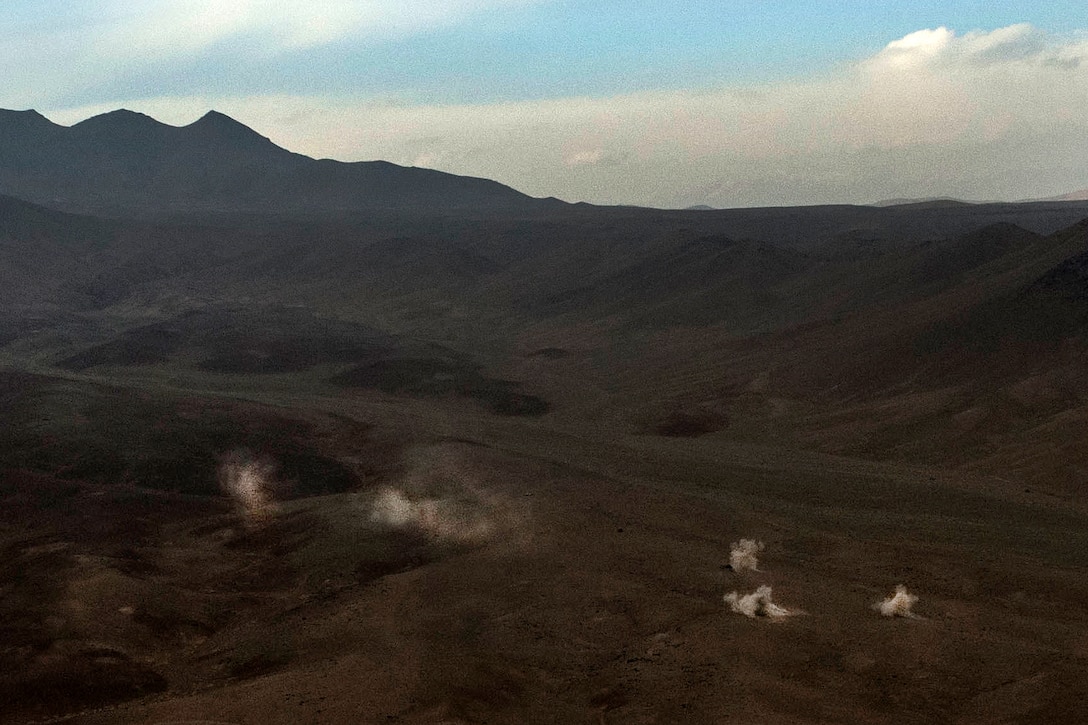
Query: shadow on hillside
{"x": 430, "y": 377}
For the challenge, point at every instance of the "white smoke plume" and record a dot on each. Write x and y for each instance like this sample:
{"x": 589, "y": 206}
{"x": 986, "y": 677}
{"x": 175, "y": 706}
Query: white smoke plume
{"x": 248, "y": 481}
{"x": 757, "y": 604}
{"x": 463, "y": 519}
{"x": 899, "y": 604}
{"x": 743, "y": 554}
{"x": 392, "y": 508}
{"x": 445, "y": 496}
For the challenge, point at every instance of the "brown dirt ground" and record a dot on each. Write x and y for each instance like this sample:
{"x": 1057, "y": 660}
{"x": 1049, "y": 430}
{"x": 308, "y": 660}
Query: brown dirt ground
{"x": 597, "y": 598}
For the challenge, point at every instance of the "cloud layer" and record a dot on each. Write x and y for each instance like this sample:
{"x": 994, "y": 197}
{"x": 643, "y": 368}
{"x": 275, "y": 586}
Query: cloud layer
{"x": 125, "y": 51}
{"x": 173, "y": 26}
{"x": 980, "y": 115}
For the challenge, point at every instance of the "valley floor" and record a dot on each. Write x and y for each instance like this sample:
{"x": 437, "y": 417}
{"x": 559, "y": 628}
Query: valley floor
{"x": 439, "y": 468}
{"x": 578, "y": 577}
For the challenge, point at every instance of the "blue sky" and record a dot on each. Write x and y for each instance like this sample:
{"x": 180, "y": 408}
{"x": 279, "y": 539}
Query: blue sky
{"x": 613, "y": 102}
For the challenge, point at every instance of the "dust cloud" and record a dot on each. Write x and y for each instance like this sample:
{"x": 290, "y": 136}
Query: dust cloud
{"x": 757, "y": 604}
{"x": 248, "y": 481}
{"x": 451, "y": 519}
{"x": 899, "y": 604}
{"x": 392, "y": 508}
{"x": 743, "y": 554}
{"x": 442, "y": 497}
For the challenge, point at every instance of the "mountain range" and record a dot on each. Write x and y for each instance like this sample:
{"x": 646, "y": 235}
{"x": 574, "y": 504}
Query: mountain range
{"x": 178, "y": 226}
{"x": 124, "y": 162}
{"x": 496, "y": 450}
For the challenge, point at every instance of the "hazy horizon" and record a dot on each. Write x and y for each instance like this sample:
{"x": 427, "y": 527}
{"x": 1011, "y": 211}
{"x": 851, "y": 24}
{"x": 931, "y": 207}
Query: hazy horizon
{"x": 723, "y": 104}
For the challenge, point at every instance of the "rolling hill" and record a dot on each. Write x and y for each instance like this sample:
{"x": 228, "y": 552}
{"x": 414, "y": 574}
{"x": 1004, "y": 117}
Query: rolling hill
{"x": 290, "y": 440}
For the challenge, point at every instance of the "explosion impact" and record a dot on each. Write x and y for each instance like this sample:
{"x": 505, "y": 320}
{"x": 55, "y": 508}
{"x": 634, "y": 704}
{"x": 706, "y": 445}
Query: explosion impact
{"x": 899, "y": 604}
{"x": 743, "y": 554}
{"x": 757, "y": 604}
{"x": 248, "y": 481}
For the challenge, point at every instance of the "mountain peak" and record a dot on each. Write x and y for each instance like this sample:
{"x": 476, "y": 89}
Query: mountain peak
{"x": 221, "y": 127}
{"x": 24, "y": 120}
{"x": 129, "y": 129}
{"x": 220, "y": 120}
{"x": 127, "y": 162}
{"x": 29, "y": 113}
{"x": 121, "y": 118}
{"x": 219, "y": 115}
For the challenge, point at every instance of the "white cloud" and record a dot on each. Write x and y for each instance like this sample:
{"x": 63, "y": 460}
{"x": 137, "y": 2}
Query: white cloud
{"x": 915, "y": 49}
{"x": 1011, "y": 43}
{"x": 173, "y": 27}
{"x": 996, "y": 114}
{"x": 112, "y": 42}
{"x": 942, "y": 47}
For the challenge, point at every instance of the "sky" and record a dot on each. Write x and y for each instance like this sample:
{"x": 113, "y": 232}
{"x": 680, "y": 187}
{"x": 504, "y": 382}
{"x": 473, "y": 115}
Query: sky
{"x": 726, "y": 103}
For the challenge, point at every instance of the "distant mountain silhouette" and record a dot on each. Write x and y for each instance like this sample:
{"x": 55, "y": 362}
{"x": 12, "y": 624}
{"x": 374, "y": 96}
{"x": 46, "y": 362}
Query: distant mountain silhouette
{"x": 124, "y": 162}
{"x": 933, "y": 201}
{"x": 1078, "y": 195}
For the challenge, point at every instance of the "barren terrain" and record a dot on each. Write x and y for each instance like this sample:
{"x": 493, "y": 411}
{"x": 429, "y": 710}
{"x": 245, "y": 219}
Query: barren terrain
{"x": 489, "y": 462}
